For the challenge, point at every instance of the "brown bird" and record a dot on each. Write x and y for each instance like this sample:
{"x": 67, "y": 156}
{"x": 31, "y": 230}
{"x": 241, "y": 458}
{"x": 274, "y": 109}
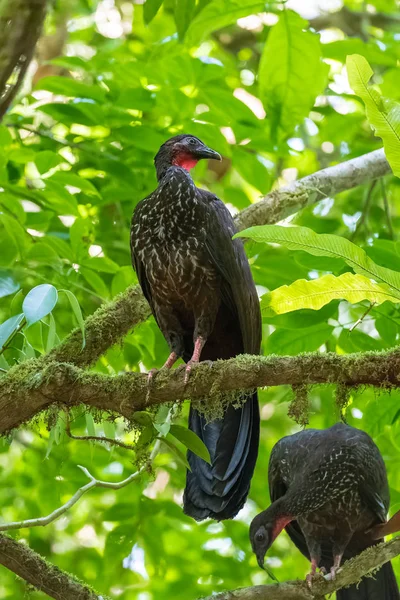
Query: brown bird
{"x": 329, "y": 490}
{"x": 198, "y": 283}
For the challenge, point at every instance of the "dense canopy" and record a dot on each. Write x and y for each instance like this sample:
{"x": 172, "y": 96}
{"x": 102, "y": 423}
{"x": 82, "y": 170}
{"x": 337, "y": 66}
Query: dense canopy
{"x": 265, "y": 84}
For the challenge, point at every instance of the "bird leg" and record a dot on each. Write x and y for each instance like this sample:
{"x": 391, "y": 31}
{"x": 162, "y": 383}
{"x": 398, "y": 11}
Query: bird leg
{"x": 171, "y": 360}
{"x": 310, "y": 576}
{"x": 337, "y": 559}
{"x": 198, "y": 347}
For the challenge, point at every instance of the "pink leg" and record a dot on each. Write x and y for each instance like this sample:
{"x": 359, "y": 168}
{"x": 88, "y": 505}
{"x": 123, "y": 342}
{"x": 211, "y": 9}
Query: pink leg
{"x": 337, "y": 559}
{"x": 198, "y": 347}
{"x": 171, "y": 360}
{"x": 311, "y": 574}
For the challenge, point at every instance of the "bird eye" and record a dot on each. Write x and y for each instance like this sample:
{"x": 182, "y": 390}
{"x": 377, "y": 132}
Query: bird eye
{"x": 260, "y": 536}
{"x": 192, "y": 141}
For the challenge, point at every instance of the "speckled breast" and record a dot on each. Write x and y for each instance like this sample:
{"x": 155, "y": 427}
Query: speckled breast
{"x": 168, "y": 235}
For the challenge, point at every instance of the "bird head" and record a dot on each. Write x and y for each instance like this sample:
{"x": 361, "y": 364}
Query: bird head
{"x": 261, "y": 536}
{"x": 183, "y": 151}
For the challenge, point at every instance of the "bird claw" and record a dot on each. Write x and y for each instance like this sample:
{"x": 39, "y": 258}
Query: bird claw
{"x": 188, "y": 368}
{"x": 333, "y": 573}
{"x": 151, "y": 376}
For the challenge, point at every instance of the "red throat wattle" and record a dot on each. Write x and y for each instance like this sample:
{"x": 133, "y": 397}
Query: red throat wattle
{"x": 185, "y": 160}
{"x": 280, "y": 525}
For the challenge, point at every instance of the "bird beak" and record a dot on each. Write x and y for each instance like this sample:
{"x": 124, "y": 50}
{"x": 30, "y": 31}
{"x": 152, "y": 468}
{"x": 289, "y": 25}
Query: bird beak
{"x": 260, "y": 560}
{"x": 206, "y": 152}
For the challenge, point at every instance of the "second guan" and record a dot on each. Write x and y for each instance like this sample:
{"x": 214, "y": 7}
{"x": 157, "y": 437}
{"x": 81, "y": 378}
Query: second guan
{"x": 198, "y": 283}
{"x": 329, "y": 489}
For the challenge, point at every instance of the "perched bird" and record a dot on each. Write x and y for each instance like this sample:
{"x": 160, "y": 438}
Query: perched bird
{"x": 198, "y": 283}
{"x": 329, "y": 490}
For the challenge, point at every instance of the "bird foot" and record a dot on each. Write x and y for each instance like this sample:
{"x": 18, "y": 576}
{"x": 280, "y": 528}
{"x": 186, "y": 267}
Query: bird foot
{"x": 188, "y": 368}
{"x": 189, "y": 365}
{"x": 173, "y": 357}
{"x": 311, "y": 575}
{"x": 151, "y": 375}
{"x": 333, "y": 573}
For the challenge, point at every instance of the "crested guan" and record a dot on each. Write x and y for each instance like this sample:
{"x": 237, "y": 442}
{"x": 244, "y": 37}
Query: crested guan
{"x": 328, "y": 489}
{"x": 198, "y": 283}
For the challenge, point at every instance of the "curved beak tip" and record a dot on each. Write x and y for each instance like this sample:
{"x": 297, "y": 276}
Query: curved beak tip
{"x": 211, "y": 154}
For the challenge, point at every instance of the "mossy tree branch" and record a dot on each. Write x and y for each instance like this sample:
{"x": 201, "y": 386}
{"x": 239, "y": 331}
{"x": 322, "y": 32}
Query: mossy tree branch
{"x": 44, "y": 382}
{"x": 57, "y": 584}
{"x": 351, "y": 572}
{"x": 328, "y": 182}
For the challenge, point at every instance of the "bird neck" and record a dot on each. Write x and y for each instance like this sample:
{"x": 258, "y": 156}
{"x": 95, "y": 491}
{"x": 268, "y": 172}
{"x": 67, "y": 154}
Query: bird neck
{"x": 183, "y": 160}
{"x": 279, "y": 515}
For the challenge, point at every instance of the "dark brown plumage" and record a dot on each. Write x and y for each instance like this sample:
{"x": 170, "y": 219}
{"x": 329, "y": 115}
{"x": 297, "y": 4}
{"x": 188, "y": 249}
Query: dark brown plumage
{"x": 198, "y": 283}
{"x": 328, "y": 489}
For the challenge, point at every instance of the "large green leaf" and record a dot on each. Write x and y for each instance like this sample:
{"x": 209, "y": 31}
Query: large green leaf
{"x": 9, "y": 327}
{"x": 39, "y": 302}
{"x": 316, "y": 293}
{"x": 191, "y": 441}
{"x": 70, "y": 87}
{"x": 184, "y": 11}
{"x": 291, "y": 73}
{"x": 150, "y": 9}
{"x": 218, "y": 14}
{"x": 294, "y": 341}
{"x": 303, "y": 238}
{"x": 8, "y": 285}
{"x": 383, "y": 113}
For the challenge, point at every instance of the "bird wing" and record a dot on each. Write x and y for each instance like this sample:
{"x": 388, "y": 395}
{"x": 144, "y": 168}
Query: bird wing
{"x": 136, "y": 262}
{"x": 229, "y": 259}
{"x": 373, "y": 487}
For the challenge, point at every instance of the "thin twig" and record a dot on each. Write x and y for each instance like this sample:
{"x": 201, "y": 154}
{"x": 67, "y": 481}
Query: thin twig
{"x": 93, "y": 483}
{"x": 365, "y": 211}
{"x": 63, "y": 142}
{"x": 94, "y": 438}
{"x": 387, "y": 209}
{"x": 361, "y": 319}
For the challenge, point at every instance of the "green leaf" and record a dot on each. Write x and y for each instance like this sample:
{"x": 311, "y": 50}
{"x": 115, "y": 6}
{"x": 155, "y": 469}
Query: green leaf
{"x": 39, "y": 302}
{"x": 184, "y": 11}
{"x": 8, "y": 285}
{"x": 316, "y": 293}
{"x": 17, "y": 232}
{"x": 71, "y": 179}
{"x": 162, "y": 428}
{"x": 192, "y": 441}
{"x": 47, "y": 160}
{"x": 150, "y": 9}
{"x": 95, "y": 281}
{"x": 70, "y": 87}
{"x": 142, "y": 418}
{"x": 382, "y": 113}
{"x": 100, "y": 263}
{"x": 292, "y": 342}
{"x": 109, "y": 429}
{"x": 77, "y": 312}
{"x": 218, "y": 14}
{"x": 52, "y": 334}
{"x": 90, "y": 427}
{"x": 177, "y": 452}
{"x": 291, "y": 73}
{"x": 8, "y": 328}
{"x": 303, "y": 238}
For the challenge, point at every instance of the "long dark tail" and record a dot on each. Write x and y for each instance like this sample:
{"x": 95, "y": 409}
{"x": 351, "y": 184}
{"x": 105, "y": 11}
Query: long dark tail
{"x": 381, "y": 586}
{"x": 220, "y": 490}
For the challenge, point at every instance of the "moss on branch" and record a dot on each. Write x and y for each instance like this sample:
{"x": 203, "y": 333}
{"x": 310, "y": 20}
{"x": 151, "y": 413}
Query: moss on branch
{"x": 33, "y": 386}
{"x": 45, "y": 577}
{"x": 350, "y": 573}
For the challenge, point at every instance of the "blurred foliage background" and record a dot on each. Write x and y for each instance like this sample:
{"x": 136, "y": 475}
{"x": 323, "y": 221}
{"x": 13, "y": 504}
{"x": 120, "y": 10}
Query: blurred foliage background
{"x": 265, "y": 85}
